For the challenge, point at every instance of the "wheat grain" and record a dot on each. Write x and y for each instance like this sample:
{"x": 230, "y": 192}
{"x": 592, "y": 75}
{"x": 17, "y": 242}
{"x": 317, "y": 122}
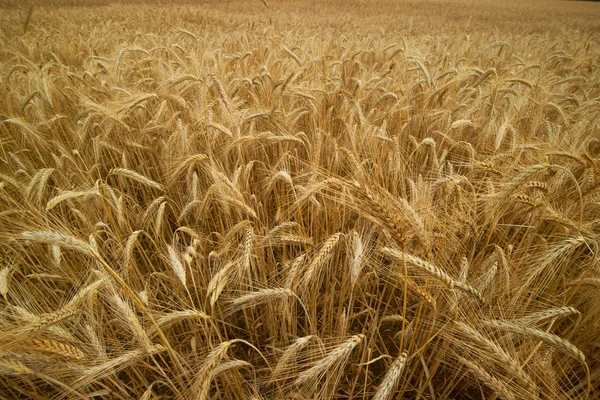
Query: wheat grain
{"x": 585, "y": 281}
{"x": 168, "y": 319}
{"x": 68, "y": 195}
{"x": 114, "y": 364}
{"x": 292, "y": 239}
{"x": 218, "y": 282}
{"x": 128, "y": 251}
{"x": 50, "y": 319}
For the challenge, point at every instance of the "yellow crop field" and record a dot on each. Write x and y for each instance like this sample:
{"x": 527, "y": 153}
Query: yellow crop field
{"x": 285, "y": 199}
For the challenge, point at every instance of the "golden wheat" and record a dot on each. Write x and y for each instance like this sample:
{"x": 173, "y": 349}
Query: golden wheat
{"x": 231, "y": 200}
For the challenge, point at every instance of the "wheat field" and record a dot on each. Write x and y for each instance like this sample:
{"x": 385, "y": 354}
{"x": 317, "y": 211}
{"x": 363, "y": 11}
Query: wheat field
{"x": 299, "y": 200}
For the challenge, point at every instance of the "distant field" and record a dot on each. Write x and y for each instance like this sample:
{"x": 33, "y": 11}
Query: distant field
{"x": 299, "y": 200}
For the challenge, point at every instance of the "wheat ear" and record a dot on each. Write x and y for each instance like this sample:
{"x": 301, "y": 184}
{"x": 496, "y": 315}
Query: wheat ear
{"x": 419, "y": 262}
{"x": 53, "y": 347}
{"x": 357, "y": 255}
{"x": 390, "y": 381}
{"x": 61, "y": 239}
{"x": 8, "y": 367}
{"x": 557, "y": 312}
{"x": 334, "y": 361}
{"x": 261, "y": 296}
{"x": 176, "y": 265}
{"x": 127, "y": 173}
{"x": 289, "y": 354}
{"x": 493, "y": 383}
{"x": 500, "y": 354}
{"x": 561, "y": 344}
{"x": 4, "y": 279}
{"x": 322, "y": 256}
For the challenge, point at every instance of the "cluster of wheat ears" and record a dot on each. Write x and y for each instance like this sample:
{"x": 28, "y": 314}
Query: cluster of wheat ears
{"x": 344, "y": 200}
